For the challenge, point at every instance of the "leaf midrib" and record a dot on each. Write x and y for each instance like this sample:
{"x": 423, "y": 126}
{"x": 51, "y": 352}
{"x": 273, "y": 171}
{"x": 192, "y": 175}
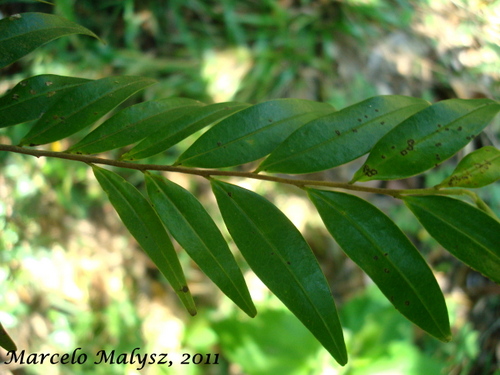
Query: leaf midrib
{"x": 81, "y": 108}
{"x": 304, "y": 292}
{"x": 152, "y": 234}
{"x": 364, "y": 233}
{"x": 202, "y": 242}
{"x": 336, "y": 137}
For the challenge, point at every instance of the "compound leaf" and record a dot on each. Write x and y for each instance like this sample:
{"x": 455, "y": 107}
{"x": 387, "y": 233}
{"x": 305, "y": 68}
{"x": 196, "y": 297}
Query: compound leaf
{"x": 168, "y": 136}
{"x": 133, "y": 124}
{"x": 341, "y": 136}
{"x": 427, "y": 138}
{"x": 282, "y": 259}
{"x": 465, "y": 231}
{"x": 377, "y": 245}
{"x": 193, "y": 228}
{"x": 6, "y": 341}
{"x": 83, "y": 106}
{"x": 477, "y": 169}
{"x": 251, "y": 133}
{"x": 22, "y": 33}
{"x": 30, "y": 98}
{"x": 144, "y": 224}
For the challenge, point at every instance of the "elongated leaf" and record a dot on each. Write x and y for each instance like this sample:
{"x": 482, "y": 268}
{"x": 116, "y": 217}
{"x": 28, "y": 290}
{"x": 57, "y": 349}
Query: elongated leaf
{"x": 5, "y": 340}
{"x": 465, "y": 231}
{"x": 176, "y": 131}
{"x": 282, "y": 259}
{"x": 251, "y": 133}
{"x": 133, "y": 124}
{"x": 378, "y": 246}
{"x": 144, "y": 224}
{"x": 341, "y": 136}
{"x": 22, "y": 33}
{"x": 30, "y": 98}
{"x": 427, "y": 138}
{"x": 196, "y": 232}
{"x": 83, "y": 106}
{"x": 479, "y": 168}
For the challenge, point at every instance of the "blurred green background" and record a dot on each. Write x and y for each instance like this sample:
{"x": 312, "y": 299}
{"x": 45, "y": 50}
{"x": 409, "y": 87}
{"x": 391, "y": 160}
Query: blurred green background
{"x": 72, "y": 277}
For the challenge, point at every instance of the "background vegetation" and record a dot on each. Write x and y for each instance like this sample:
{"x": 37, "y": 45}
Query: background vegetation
{"x": 70, "y": 274}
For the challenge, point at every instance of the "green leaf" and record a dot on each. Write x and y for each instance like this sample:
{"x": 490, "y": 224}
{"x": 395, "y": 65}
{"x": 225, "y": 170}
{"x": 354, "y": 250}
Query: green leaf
{"x": 30, "y": 98}
{"x": 133, "y": 124}
{"x": 144, "y": 224}
{"x": 251, "y": 133}
{"x": 341, "y": 136}
{"x": 477, "y": 169}
{"x": 427, "y": 138}
{"x": 83, "y": 106}
{"x": 377, "y": 245}
{"x": 282, "y": 259}
{"x": 5, "y": 341}
{"x": 196, "y": 232}
{"x": 465, "y": 231}
{"x": 22, "y": 33}
{"x": 168, "y": 136}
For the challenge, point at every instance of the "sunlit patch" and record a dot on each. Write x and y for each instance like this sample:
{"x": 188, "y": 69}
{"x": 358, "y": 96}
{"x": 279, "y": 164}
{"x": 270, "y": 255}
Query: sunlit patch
{"x": 223, "y": 71}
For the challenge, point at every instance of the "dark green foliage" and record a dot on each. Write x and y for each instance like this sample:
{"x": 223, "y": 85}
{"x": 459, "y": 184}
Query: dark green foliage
{"x": 403, "y": 136}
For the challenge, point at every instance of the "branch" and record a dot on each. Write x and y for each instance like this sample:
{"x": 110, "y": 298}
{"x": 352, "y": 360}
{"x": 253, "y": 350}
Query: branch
{"x": 207, "y": 173}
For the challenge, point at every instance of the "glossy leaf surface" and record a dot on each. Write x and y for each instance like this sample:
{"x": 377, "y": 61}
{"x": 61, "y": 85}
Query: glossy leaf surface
{"x": 477, "y": 169}
{"x": 427, "y": 138}
{"x": 176, "y": 131}
{"x": 31, "y": 97}
{"x": 83, "y": 106}
{"x": 22, "y": 33}
{"x": 282, "y": 259}
{"x": 465, "y": 231}
{"x": 341, "y": 136}
{"x": 193, "y": 228}
{"x": 144, "y": 224}
{"x": 134, "y": 123}
{"x": 251, "y": 133}
{"x": 5, "y": 340}
{"x": 377, "y": 245}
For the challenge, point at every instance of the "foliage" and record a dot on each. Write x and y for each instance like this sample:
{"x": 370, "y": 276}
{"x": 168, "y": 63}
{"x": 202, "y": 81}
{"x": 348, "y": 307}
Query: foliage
{"x": 403, "y": 136}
